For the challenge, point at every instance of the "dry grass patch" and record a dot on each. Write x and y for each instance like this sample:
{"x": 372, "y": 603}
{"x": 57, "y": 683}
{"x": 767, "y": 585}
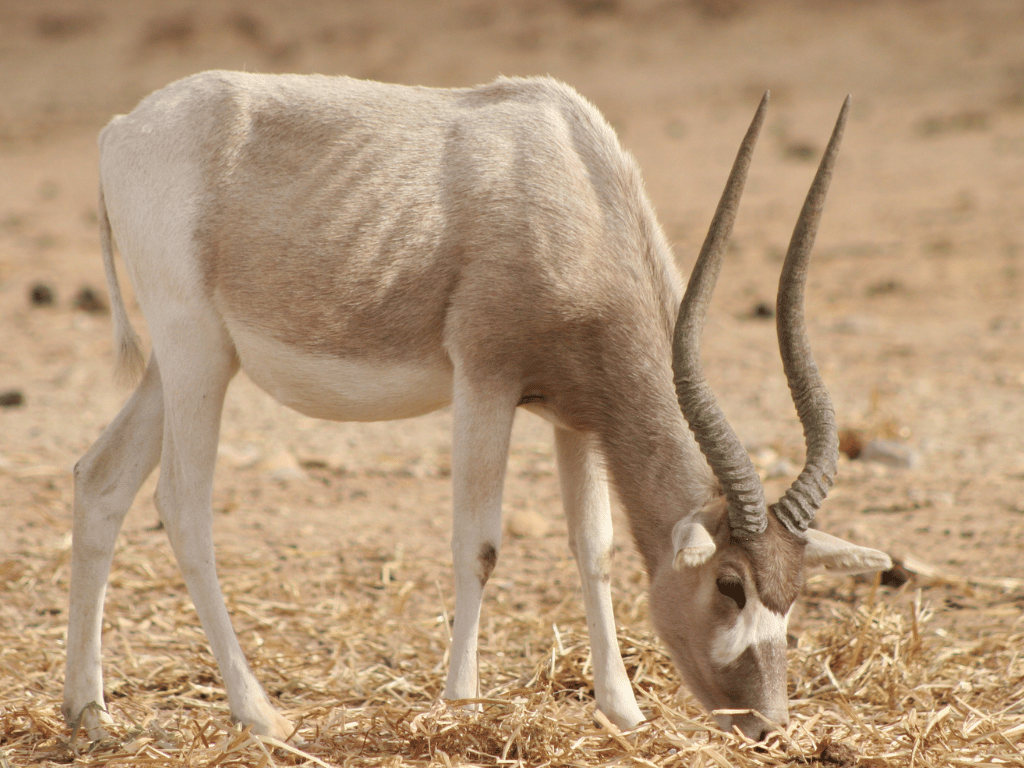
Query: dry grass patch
{"x": 353, "y": 649}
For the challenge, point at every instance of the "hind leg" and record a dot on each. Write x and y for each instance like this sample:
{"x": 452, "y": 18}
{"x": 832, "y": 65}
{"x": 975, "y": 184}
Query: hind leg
{"x": 197, "y": 370}
{"x": 107, "y": 478}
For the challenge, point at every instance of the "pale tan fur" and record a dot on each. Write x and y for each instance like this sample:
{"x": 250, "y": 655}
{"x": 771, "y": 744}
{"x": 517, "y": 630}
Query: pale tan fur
{"x": 493, "y": 244}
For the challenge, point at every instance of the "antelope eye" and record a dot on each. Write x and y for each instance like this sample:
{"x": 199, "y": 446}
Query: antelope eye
{"x": 733, "y": 589}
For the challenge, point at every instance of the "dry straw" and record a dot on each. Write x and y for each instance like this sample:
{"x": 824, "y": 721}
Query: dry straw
{"x": 353, "y": 652}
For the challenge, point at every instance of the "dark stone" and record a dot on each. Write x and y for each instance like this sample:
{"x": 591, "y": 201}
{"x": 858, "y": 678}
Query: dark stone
{"x": 41, "y": 295}
{"x": 12, "y": 398}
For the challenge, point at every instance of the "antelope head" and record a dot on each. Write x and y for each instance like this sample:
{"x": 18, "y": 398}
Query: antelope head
{"x": 740, "y": 563}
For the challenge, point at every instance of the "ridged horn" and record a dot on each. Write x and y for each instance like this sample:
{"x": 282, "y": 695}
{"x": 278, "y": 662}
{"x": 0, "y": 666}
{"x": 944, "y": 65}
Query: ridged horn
{"x": 717, "y": 440}
{"x": 813, "y": 405}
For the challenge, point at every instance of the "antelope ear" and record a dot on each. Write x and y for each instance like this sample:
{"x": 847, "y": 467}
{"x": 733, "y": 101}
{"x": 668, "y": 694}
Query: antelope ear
{"x": 840, "y": 557}
{"x": 692, "y": 543}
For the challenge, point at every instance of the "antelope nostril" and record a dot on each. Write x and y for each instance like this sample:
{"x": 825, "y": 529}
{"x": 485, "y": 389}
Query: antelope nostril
{"x": 764, "y": 734}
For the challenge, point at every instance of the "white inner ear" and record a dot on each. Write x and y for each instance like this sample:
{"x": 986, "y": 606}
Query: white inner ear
{"x": 840, "y": 557}
{"x": 692, "y": 543}
{"x": 755, "y": 624}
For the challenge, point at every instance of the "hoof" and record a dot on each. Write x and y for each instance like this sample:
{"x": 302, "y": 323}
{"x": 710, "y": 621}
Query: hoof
{"x": 91, "y": 720}
{"x": 270, "y": 723}
{"x": 281, "y": 728}
{"x": 625, "y": 719}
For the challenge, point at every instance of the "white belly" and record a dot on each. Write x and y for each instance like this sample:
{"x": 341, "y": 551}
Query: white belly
{"x": 341, "y": 389}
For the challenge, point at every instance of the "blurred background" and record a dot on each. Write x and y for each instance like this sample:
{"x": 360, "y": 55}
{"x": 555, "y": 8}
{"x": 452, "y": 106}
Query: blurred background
{"x": 915, "y": 301}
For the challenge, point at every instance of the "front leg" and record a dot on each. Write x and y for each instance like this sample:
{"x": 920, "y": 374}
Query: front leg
{"x": 588, "y": 513}
{"x": 482, "y": 426}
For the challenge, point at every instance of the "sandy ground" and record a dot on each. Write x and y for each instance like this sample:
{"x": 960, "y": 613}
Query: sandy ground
{"x": 915, "y": 303}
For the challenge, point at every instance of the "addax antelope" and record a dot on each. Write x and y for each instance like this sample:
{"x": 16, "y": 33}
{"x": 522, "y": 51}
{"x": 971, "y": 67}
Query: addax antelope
{"x": 367, "y": 252}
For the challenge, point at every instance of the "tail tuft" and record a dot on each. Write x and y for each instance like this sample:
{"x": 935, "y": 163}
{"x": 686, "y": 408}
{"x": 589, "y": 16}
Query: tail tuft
{"x": 131, "y": 362}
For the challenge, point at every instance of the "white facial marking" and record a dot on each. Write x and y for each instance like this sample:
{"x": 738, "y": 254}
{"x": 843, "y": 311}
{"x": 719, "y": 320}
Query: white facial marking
{"x": 755, "y": 624}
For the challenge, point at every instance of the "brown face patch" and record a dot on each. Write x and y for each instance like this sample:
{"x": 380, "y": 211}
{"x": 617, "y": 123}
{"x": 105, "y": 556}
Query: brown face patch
{"x": 777, "y": 557}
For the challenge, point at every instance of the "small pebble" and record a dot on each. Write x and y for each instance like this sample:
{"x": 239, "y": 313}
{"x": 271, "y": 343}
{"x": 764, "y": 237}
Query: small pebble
{"x": 780, "y": 468}
{"x": 12, "y": 398}
{"x": 526, "y": 524}
{"x": 855, "y": 325}
{"x": 281, "y": 466}
{"x": 87, "y": 300}
{"x": 763, "y": 456}
{"x": 800, "y": 150}
{"x": 41, "y": 295}
{"x": 889, "y": 453}
{"x": 242, "y": 457}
